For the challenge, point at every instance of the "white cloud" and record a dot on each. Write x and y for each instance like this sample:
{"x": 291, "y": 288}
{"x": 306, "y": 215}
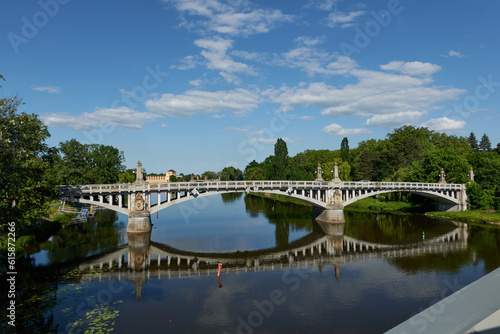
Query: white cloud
{"x": 247, "y": 131}
{"x": 237, "y": 18}
{"x": 335, "y": 129}
{"x": 456, "y": 54}
{"x": 412, "y": 68}
{"x": 122, "y": 117}
{"x": 307, "y": 57}
{"x": 444, "y": 124}
{"x": 48, "y": 89}
{"x": 375, "y": 93}
{"x": 196, "y": 82}
{"x": 188, "y": 62}
{"x": 255, "y": 56}
{"x": 395, "y": 119}
{"x": 215, "y": 53}
{"x": 195, "y": 102}
{"x": 344, "y": 19}
{"x": 305, "y": 118}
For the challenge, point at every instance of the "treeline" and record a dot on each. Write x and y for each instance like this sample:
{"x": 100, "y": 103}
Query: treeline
{"x": 407, "y": 154}
{"x": 30, "y": 169}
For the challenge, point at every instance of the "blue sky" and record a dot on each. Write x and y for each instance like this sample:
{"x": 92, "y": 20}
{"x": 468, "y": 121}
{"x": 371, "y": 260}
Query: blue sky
{"x": 196, "y": 85}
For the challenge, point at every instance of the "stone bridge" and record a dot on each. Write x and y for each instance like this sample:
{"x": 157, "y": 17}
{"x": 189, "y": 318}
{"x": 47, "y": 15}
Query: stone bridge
{"x": 139, "y": 200}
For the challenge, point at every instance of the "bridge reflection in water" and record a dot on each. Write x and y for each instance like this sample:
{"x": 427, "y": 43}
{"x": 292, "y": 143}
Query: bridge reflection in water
{"x": 143, "y": 259}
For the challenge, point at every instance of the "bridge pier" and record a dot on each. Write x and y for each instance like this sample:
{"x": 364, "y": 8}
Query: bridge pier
{"x": 139, "y": 224}
{"x": 139, "y": 219}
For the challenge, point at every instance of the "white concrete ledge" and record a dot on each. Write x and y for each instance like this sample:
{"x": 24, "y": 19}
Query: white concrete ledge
{"x": 472, "y": 309}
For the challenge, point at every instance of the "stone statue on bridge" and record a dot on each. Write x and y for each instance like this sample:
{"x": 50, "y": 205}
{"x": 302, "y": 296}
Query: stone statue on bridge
{"x": 139, "y": 176}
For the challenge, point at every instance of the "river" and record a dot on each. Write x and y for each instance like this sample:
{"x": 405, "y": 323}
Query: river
{"x": 280, "y": 272}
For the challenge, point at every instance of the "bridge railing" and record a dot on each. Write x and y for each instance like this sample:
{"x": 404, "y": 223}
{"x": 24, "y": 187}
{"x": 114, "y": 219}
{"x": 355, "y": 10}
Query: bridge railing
{"x": 252, "y": 185}
{"x": 403, "y": 185}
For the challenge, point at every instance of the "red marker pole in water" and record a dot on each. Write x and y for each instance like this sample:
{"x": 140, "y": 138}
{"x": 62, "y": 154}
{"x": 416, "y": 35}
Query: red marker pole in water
{"x": 218, "y": 275}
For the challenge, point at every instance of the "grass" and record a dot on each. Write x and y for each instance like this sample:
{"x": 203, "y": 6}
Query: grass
{"x": 476, "y": 216}
{"x": 371, "y": 204}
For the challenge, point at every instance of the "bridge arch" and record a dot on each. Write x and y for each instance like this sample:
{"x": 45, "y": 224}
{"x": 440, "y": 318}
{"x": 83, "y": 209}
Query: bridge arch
{"x": 116, "y": 208}
{"x": 164, "y": 205}
{"x": 438, "y": 197}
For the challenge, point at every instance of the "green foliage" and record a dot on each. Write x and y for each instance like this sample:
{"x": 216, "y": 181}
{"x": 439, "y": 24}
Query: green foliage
{"x": 280, "y": 161}
{"x": 485, "y": 144}
{"x": 344, "y": 149}
{"x": 127, "y": 176}
{"x": 210, "y": 175}
{"x": 409, "y": 144}
{"x": 231, "y": 174}
{"x": 455, "y": 167}
{"x": 88, "y": 164}
{"x": 486, "y": 169}
{"x": 473, "y": 142}
{"x": 479, "y": 198}
{"x": 24, "y": 188}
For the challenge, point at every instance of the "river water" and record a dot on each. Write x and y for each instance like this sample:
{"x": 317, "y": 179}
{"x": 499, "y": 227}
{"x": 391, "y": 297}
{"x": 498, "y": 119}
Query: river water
{"x": 280, "y": 272}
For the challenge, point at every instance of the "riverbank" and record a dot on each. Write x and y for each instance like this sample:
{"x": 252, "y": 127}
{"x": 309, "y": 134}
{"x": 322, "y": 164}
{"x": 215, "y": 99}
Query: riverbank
{"x": 373, "y": 205}
{"x": 281, "y": 198}
{"x": 42, "y": 230}
{"x": 470, "y": 216}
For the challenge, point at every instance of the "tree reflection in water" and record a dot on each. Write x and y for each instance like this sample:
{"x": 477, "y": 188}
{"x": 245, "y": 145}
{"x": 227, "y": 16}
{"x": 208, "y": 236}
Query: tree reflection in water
{"x": 285, "y": 216}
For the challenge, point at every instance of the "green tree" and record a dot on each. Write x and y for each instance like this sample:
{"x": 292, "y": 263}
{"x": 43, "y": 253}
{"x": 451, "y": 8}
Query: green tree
{"x": 24, "y": 161}
{"x": 408, "y": 145}
{"x": 210, "y": 175}
{"x": 88, "y": 164}
{"x": 280, "y": 162}
{"x": 127, "y": 176}
{"x": 486, "y": 169}
{"x": 479, "y": 198}
{"x": 344, "y": 149}
{"x": 473, "y": 142}
{"x": 231, "y": 174}
{"x": 106, "y": 163}
{"x": 454, "y": 165}
{"x": 251, "y": 164}
{"x": 485, "y": 144}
